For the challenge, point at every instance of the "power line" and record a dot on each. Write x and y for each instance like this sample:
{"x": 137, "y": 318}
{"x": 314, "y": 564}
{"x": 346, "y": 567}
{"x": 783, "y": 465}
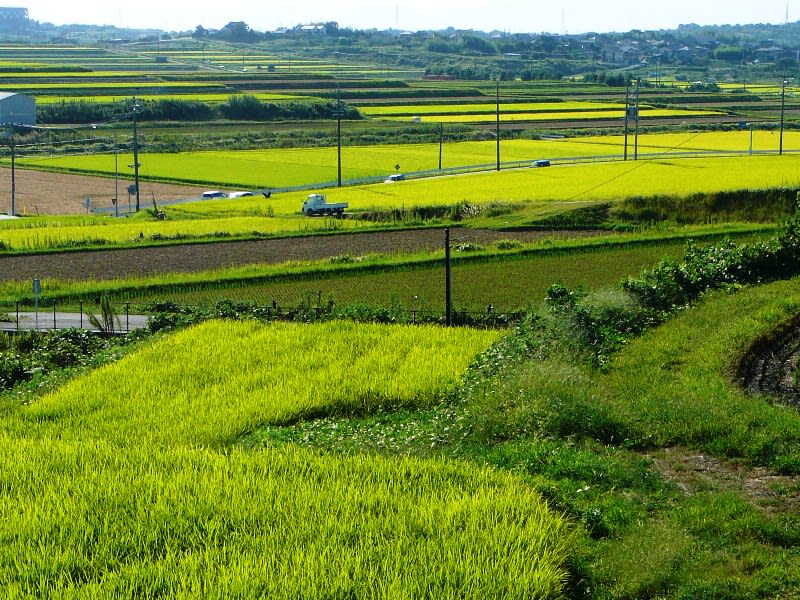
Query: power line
{"x": 637, "y": 165}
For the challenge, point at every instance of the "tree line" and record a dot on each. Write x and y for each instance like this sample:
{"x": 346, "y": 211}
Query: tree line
{"x": 238, "y": 107}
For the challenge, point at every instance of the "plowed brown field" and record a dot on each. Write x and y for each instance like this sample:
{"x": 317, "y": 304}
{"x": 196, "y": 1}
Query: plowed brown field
{"x": 63, "y": 194}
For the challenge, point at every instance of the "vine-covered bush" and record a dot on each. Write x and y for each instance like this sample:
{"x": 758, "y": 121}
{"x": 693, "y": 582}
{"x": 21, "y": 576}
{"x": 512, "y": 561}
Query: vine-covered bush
{"x": 599, "y": 323}
{"x": 35, "y": 352}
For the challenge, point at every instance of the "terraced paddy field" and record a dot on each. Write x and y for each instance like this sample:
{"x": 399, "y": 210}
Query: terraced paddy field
{"x": 108, "y": 499}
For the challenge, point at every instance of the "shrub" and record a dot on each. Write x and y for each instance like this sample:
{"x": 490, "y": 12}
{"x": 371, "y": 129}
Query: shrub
{"x": 12, "y": 370}
{"x": 508, "y": 244}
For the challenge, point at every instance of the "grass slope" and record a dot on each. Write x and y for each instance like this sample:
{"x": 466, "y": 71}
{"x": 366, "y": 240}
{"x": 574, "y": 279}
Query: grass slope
{"x": 684, "y": 485}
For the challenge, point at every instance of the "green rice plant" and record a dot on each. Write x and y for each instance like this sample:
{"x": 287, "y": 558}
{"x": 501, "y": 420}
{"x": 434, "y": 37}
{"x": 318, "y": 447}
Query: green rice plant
{"x": 92, "y": 518}
{"x": 261, "y": 374}
{"x": 116, "y": 493}
{"x": 396, "y": 278}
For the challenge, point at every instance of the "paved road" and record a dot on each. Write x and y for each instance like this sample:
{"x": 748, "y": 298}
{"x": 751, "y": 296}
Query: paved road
{"x": 61, "y": 320}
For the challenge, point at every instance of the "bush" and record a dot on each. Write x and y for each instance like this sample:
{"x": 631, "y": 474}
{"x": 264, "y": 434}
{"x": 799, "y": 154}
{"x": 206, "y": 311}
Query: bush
{"x": 68, "y": 348}
{"x": 12, "y": 370}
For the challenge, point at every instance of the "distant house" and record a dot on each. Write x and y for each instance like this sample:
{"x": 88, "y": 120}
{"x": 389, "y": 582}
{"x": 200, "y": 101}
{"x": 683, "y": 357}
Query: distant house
{"x": 619, "y": 54}
{"x": 17, "y": 109}
{"x": 313, "y": 29}
{"x": 771, "y": 54}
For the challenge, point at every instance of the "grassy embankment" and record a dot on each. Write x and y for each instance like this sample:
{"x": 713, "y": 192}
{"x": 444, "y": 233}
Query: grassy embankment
{"x": 683, "y": 484}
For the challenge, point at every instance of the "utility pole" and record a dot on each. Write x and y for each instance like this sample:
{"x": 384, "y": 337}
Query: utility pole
{"x": 339, "y": 135}
{"x": 497, "y": 132}
{"x": 134, "y": 108}
{"x": 13, "y": 173}
{"x": 636, "y": 123}
{"x": 116, "y": 176}
{"x": 627, "y": 111}
{"x": 441, "y": 140}
{"x": 783, "y": 105}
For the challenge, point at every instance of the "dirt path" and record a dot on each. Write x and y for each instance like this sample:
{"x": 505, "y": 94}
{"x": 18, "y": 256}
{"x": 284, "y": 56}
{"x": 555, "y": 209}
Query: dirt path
{"x": 43, "y": 193}
{"x": 694, "y": 473}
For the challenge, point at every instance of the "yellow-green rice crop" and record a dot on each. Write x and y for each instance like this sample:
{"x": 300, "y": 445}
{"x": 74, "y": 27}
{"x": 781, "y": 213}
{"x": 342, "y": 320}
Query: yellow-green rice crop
{"x": 275, "y": 168}
{"x": 213, "y": 383}
{"x": 108, "y": 492}
{"x": 596, "y": 182}
{"x": 199, "y": 97}
{"x": 122, "y": 85}
{"x": 607, "y": 181}
{"x": 383, "y": 110}
{"x": 91, "y": 520}
{"x": 113, "y": 231}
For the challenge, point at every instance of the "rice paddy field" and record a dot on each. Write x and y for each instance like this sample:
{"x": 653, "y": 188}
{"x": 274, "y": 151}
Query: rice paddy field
{"x": 529, "y": 193}
{"x": 523, "y": 112}
{"x": 140, "y": 478}
{"x": 280, "y": 168}
{"x": 47, "y": 233}
{"x": 164, "y": 94}
{"x": 280, "y": 521}
{"x": 506, "y": 283}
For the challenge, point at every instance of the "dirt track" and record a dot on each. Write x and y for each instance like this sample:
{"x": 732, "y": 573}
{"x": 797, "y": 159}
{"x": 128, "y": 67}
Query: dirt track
{"x": 43, "y": 193}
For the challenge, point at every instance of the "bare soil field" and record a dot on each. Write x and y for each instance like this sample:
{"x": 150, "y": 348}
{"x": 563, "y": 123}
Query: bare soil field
{"x": 54, "y": 193}
{"x": 190, "y": 258}
{"x": 41, "y": 193}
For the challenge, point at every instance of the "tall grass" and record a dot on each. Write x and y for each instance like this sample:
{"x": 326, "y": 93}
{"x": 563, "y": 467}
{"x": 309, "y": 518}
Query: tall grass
{"x": 694, "y": 402}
